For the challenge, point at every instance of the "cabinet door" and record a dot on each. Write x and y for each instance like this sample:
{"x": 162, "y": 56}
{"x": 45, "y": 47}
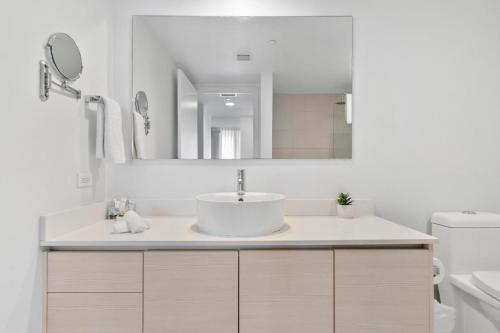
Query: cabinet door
{"x": 286, "y": 291}
{"x": 191, "y": 291}
{"x": 383, "y": 291}
{"x": 94, "y": 312}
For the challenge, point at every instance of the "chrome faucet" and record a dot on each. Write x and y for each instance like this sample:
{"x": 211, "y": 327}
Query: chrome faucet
{"x": 241, "y": 182}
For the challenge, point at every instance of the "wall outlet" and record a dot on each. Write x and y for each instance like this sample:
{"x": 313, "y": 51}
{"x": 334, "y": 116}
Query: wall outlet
{"x": 84, "y": 179}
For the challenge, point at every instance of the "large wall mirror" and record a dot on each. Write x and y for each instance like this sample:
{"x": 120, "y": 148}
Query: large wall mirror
{"x": 243, "y": 87}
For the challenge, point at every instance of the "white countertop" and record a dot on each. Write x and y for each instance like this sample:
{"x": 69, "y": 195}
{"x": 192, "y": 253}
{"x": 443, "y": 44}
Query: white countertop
{"x": 177, "y": 232}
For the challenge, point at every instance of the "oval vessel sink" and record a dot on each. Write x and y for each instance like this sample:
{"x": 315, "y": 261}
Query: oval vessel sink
{"x": 253, "y": 214}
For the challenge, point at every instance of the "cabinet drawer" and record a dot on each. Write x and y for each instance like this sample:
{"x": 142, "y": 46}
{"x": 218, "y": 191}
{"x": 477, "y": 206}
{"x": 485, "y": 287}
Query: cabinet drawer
{"x": 95, "y": 272}
{"x": 94, "y": 312}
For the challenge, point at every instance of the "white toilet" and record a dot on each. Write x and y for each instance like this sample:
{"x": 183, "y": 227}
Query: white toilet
{"x": 469, "y": 247}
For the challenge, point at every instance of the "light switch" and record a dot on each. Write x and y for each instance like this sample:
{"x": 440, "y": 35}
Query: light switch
{"x": 84, "y": 179}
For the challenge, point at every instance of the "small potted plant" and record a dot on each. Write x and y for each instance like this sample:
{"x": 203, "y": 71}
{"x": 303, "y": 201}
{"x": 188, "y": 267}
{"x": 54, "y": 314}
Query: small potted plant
{"x": 345, "y": 209}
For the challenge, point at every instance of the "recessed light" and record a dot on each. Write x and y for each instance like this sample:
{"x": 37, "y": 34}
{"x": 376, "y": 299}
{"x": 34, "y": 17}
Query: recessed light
{"x": 272, "y": 41}
{"x": 229, "y": 103}
{"x": 228, "y": 99}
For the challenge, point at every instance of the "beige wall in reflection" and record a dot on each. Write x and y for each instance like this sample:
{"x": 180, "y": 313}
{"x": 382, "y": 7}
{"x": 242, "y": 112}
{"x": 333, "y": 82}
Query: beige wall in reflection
{"x": 310, "y": 126}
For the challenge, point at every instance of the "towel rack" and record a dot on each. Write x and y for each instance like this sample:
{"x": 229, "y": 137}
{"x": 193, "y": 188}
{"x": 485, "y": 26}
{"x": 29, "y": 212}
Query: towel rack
{"x": 93, "y": 99}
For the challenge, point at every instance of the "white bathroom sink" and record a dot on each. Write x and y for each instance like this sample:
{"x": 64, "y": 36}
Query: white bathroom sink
{"x": 253, "y": 214}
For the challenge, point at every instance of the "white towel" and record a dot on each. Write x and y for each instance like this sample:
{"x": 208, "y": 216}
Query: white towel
{"x": 139, "y": 136}
{"x": 109, "y": 132}
{"x": 135, "y": 222}
{"x": 99, "y": 129}
{"x": 130, "y": 222}
{"x": 120, "y": 227}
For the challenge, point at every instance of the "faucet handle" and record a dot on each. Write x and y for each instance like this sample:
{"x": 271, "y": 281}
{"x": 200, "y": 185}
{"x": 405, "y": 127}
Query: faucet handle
{"x": 241, "y": 173}
{"x": 240, "y": 182}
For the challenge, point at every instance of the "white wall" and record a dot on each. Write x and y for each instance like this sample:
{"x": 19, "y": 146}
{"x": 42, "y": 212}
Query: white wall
{"x": 43, "y": 144}
{"x": 187, "y": 117}
{"x": 266, "y": 115}
{"x": 246, "y": 127}
{"x": 426, "y": 110}
{"x": 154, "y": 72}
{"x": 207, "y": 133}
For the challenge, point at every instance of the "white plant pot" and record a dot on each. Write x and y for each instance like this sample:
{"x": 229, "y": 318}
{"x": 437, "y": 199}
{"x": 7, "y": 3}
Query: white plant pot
{"x": 346, "y": 212}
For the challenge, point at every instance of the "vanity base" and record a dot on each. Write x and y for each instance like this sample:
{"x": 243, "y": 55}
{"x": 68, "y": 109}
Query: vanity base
{"x": 341, "y": 290}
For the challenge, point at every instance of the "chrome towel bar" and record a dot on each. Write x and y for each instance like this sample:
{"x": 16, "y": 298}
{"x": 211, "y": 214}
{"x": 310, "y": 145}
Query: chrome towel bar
{"x": 93, "y": 99}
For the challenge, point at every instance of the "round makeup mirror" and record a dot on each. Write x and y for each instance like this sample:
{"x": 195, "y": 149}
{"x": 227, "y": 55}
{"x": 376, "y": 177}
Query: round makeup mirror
{"x": 141, "y": 103}
{"x": 65, "y": 56}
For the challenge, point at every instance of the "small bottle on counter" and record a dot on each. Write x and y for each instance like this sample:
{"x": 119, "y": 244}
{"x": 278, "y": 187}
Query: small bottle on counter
{"x": 118, "y": 207}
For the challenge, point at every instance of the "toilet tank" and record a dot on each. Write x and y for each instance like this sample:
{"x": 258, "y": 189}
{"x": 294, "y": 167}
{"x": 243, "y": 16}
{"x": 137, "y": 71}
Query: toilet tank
{"x": 467, "y": 243}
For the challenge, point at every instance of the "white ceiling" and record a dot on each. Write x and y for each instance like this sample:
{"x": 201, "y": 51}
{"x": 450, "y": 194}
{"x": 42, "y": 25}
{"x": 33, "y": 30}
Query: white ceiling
{"x": 311, "y": 54}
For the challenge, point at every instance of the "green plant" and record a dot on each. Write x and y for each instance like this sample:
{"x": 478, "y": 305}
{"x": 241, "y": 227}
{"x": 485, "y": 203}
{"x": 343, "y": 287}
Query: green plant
{"x": 344, "y": 199}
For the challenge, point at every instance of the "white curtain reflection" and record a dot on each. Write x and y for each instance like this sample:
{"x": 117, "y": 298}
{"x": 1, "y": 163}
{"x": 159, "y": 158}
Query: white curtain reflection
{"x": 226, "y": 143}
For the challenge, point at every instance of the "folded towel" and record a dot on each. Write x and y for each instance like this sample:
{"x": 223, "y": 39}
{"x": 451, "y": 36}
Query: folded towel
{"x": 99, "y": 131}
{"x": 109, "y": 132}
{"x": 130, "y": 222}
{"x": 114, "y": 147}
{"x": 139, "y": 136}
{"x": 120, "y": 227}
{"x": 135, "y": 222}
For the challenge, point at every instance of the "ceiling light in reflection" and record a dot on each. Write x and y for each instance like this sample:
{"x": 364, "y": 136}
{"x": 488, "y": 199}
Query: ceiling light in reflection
{"x": 229, "y": 104}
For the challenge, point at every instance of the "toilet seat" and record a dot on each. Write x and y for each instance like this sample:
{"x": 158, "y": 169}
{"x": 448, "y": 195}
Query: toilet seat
{"x": 466, "y": 284}
{"x": 488, "y": 282}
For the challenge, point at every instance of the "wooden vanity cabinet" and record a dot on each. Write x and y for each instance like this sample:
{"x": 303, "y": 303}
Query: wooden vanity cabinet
{"x": 93, "y": 291}
{"x": 246, "y": 291}
{"x": 99, "y": 271}
{"x": 286, "y": 291}
{"x": 191, "y": 291}
{"x": 383, "y": 291}
{"x": 94, "y": 312}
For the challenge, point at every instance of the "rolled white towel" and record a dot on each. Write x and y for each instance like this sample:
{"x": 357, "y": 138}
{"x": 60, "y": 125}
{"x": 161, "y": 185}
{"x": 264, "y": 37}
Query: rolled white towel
{"x": 140, "y": 138}
{"x": 120, "y": 227}
{"x": 135, "y": 222}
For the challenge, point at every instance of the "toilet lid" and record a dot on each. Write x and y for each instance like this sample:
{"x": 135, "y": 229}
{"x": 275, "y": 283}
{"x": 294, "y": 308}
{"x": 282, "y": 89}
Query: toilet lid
{"x": 489, "y": 282}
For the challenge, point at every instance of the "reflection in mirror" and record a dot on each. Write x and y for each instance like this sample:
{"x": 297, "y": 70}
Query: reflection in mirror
{"x": 65, "y": 56}
{"x": 141, "y": 103}
{"x": 245, "y": 87}
{"x": 141, "y": 107}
